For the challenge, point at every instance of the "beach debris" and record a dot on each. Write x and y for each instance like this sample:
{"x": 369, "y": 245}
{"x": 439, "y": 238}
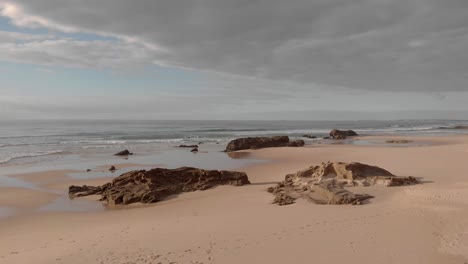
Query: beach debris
{"x": 123, "y": 153}
{"x": 188, "y": 146}
{"x": 262, "y": 142}
{"x": 112, "y": 168}
{"x": 342, "y": 134}
{"x": 326, "y": 183}
{"x": 150, "y": 186}
{"x": 194, "y": 150}
{"x": 399, "y": 141}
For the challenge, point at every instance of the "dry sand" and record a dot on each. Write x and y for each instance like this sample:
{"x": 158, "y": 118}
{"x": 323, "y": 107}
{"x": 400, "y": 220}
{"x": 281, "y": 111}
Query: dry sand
{"x": 426, "y": 223}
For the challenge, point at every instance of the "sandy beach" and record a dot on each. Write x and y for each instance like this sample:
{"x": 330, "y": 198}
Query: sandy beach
{"x": 424, "y": 223}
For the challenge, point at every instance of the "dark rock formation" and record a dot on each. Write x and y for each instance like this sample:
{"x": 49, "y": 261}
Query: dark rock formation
{"x": 88, "y": 170}
{"x": 123, "y": 153}
{"x": 454, "y": 127}
{"x": 188, "y": 146}
{"x": 325, "y": 183}
{"x": 112, "y": 168}
{"x": 309, "y": 136}
{"x": 194, "y": 150}
{"x": 342, "y": 134}
{"x": 262, "y": 142}
{"x": 296, "y": 143}
{"x": 154, "y": 185}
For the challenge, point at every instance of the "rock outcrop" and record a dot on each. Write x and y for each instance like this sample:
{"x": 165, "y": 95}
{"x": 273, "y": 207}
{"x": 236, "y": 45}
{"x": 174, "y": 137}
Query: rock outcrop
{"x": 325, "y": 183}
{"x": 309, "y": 136}
{"x": 123, "y": 153}
{"x": 262, "y": 142}
{"x": 154, "y": 185}
{"x": 342, "y": 134}
{"x": 112, "y": 168}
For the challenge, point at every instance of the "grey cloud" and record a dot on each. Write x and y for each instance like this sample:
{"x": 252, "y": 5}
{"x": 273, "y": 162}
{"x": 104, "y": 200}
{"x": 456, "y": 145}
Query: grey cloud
{"x": 52, "y": 50}
{"x": 398, "y": 45}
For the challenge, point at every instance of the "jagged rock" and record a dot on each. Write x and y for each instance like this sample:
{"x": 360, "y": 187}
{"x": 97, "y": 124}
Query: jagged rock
{"x": 123, "y": 153}
{"x": 85, "y": 190}
{"x": 342, "y": 134}
{"x": 156, "y": 184}
{"x": 334, "y": 193}
{"x": 262, "y": 142}
{"x": 309, "y": 136}
{"x": 399, "y": 141}
{"x": 112, "y": 168}
{"x": 188, "y": 146}
{"x": 194, "y": 150}
{"x": 325, "y": 183}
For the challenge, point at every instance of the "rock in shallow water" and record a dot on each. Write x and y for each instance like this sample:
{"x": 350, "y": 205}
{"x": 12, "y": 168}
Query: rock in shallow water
{"x": 156, "y": 184}
{"x": 262, "y": 142}
{"x": 342, "y": 134}
{"x": 325, "y": 183}
{"x": 123, "y": 153}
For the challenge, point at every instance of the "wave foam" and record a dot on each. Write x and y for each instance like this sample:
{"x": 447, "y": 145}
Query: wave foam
{"x": 4, "y": 160}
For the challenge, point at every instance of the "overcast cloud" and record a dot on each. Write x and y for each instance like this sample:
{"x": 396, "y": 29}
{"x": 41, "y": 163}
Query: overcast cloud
{"x": 401, "y": 45}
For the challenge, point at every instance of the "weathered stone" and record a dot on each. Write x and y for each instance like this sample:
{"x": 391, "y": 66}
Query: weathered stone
{"x": 194, "y": 150}
{"x": 296, "y": 143}
{"x": 123, "y": 153}
{"x": 262, "y": 142}
{"x": 156, "y": 184}
{"x": 112, "y": 168}
{"x": 78, "y": 191}
{"x": 326, "y": 183}
{"x": 309, "y": 136}
{"x": 342, "y": 134}
{"x": 333, "y": 193}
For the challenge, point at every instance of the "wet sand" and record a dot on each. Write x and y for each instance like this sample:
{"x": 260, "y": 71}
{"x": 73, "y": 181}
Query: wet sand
{"x": 425, "y": 223}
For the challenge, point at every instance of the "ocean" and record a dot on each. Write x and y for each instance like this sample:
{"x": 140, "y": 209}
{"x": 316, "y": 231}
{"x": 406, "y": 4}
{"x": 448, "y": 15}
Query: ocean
{"x": 29, "y": 142}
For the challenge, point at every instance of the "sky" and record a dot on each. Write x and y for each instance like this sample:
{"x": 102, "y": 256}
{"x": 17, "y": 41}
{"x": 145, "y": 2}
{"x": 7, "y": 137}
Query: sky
{"x": 236, "y": 59}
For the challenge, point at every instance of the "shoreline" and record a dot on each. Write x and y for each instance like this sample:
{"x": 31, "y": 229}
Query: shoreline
{"x": 238, "y": 224}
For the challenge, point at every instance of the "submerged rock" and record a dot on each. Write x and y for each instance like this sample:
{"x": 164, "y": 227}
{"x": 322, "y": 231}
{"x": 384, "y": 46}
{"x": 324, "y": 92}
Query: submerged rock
{"x": 342, "y": 134}
{"x": 112, "y": 168}
{"x": 123, "y": 153}
{"x": 154, "y": 185}
{"x": 188, "y": 146}
{"x": 309, "y": 136}
{"x": 194, "y": 150}
{"x": 399, "y": 141}
{"x": 454, "y": 127}
{"x": 262, "y": 142}
{"x": 325, "y": 183}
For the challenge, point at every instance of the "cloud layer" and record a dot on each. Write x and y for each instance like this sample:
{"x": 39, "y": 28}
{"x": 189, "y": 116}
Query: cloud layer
{"x": 392, "y": 45}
